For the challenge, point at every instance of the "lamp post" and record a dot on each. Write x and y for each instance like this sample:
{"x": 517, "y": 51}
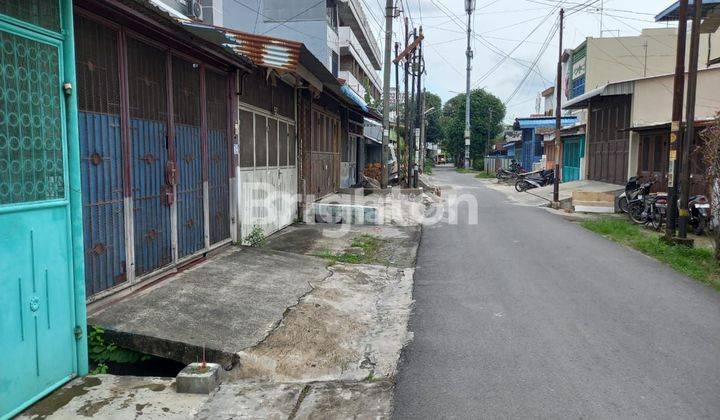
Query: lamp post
{"x": 469, "y": 8}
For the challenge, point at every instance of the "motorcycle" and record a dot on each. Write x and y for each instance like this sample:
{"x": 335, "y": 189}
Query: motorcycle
{"x": 632, "y": 190}
{"x": 653, "y": 210}
{"x": 535, "y": 180}
{"x": 640, "y": 204}
{"x": 513, "y": 172}
{"x": 700, "y": 218}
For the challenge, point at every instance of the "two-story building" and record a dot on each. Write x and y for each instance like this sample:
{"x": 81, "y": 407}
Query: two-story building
{"x": 338, "y": 34}
{"x": 595, "y": 69}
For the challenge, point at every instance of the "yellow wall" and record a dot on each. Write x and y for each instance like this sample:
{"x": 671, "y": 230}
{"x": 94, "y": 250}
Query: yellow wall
{"x": 652, "y": 100}
{"x": 624, "y": 58}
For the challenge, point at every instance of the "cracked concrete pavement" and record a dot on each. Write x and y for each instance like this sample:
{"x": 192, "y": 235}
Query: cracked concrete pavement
{"x": 324, "y": 343}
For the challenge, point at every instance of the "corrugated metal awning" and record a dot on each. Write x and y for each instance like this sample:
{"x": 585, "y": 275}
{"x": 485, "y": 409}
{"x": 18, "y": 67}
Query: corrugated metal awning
{"x": 538, "y": 122}
{"x": 262, "y": 50}
{"x": 611, "y": 89}
{"x": 279, "y": 54}
{"x": 671, "y": 14}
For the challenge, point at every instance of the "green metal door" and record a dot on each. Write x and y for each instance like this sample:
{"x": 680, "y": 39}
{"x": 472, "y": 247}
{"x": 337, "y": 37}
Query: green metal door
{"x": 572, "y": 152}
{"x": 41, "y": 322}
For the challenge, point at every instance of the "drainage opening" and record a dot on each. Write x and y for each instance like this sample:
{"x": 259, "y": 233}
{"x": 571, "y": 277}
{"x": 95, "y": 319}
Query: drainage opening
{"x": 107, "y": 357}
{"x": 148, "y": 366}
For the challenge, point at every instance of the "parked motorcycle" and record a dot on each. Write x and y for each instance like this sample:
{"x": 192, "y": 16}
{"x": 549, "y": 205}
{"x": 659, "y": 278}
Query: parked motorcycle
{"x": 632, "y": 190}
{"x": 652, "y": 209}
{"x": 700, "y": 219}
{"x": 512, "y": 172}
{"x": 639, "y": 202}
{"x": 535, "y": 180}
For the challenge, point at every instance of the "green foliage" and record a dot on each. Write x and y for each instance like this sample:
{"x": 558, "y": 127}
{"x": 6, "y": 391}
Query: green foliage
{"x": 368, "y": 245}
{"x": 697, "y": 263}
{"x": 478, "y": 163}
{"x": 710, "y": 151}
{"x": 481, "y": 125}
{"x": 341, "y": 257}
{"x": 428, "y": 169}
{"x": 256, "y": 238}
{"x": 434, "y": 128}
{"x": 464, "y": 171}
{"x": 101, "y": 351}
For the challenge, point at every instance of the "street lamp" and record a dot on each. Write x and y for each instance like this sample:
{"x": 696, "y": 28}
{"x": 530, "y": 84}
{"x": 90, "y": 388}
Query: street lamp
{"x": 469, "y": 6}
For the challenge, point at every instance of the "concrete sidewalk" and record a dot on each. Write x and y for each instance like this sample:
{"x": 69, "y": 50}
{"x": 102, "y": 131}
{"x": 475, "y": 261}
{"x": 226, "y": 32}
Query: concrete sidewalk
{"x": 544, "y": 195}
{"x": 225, "y": 305}
{"x": 301, "y": 336}
{"x": 397, "y": 245}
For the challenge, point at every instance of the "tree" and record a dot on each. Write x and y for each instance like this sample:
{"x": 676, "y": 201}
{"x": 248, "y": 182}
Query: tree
{"x": 711, "y": 157}
{"x": 434, "y": 129}
{"x": 483, "y": 104}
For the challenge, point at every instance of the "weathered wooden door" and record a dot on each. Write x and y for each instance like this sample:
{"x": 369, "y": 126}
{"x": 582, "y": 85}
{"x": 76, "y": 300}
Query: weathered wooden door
{"x": 653, "y": 158}
{"x": 38, "y": 209}
{"x": 607, "y": 140}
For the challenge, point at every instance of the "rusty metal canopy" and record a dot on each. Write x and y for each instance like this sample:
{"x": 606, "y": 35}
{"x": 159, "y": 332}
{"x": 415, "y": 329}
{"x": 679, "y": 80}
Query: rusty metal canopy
{"x": 266, "y": 51}
{"x": 276, "y": 53}
{"x": 262, "y": 50}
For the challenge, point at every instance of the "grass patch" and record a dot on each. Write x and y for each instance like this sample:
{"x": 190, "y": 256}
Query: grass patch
{"x": 366, "y": 250}
{"x": 485, "y": 175}
{"x": 465, "y": 171}
{"x": 696, "y": 263}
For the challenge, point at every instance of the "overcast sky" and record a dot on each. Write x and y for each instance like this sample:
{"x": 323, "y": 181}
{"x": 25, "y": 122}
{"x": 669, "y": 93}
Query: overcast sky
{"x": 518, "y": 28}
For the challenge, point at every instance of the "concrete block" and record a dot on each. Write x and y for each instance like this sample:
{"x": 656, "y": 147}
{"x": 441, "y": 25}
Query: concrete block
{"x": 346, "y": 213}
{"x": 593, "y": 196}
{"x": 594, "y": 209}
{"x": 196, "y": 379}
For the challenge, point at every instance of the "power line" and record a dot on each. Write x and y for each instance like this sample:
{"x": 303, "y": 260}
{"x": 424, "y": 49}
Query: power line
{"x": 489, "y": 45}
{"x": 279, "y": 24}
{"x": 292, "y": 17}
{"x": 489, "y": 72}
{"x": 549, "y": 38}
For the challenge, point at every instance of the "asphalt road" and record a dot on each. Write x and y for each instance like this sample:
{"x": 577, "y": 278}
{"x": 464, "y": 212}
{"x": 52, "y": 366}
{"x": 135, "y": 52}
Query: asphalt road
{"x": 527, "y": 315}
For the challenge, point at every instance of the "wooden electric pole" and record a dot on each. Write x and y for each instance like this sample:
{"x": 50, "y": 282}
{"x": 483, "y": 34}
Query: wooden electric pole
{"x": 389, "y": 12}
{"x": 689, "y": 137}
{"x": 558, "y": 116}
{"x": 676, "y": 125}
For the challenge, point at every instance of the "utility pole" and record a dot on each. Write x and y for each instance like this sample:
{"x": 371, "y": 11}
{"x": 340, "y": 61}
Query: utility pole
{"x": 487, "y": 142}
{"x": 406, "y": 106}
{"x": 423, "y": 124}
{"x": 418, "y": 112}
{"x": 689, "y": 138}
{"x": 676, "y": 125}
{"x": 558, "y": 116}
{"x": 398, "y": 155}
{"x": 413, "y": 98}
{"x": 469, "y": 8}
{"x": 389, "y": 9}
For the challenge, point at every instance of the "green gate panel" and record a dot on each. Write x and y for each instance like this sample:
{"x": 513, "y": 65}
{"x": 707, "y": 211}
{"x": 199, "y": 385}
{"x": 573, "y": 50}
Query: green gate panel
{"x": 31, "y": 138}
{"x": 38, "y": 346}
{"x": 572, "y": 152}
{"x": 42, "y": 301}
